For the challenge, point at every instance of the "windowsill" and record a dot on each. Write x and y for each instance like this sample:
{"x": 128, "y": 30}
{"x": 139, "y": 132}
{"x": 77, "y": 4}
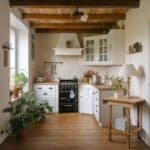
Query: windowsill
{"x": 13, "y": 100}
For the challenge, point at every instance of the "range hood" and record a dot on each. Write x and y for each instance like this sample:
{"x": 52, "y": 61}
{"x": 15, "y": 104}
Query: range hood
{"x": 68, "y": 45}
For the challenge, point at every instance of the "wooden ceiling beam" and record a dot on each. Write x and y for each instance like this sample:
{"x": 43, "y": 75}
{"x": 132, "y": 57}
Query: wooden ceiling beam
{"x": 107, "y": 17}
{"x": 100, "y": 31}
{"x": 73, "y": 3}
{"x": 73, "y": 25}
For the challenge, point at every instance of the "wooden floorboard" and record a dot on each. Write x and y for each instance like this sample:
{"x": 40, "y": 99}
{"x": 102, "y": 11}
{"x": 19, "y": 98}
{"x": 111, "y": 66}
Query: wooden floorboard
{"x": 69, "y": 132}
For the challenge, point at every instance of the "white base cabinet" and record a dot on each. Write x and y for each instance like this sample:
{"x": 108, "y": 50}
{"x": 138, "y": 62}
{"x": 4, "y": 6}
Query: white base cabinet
{"x": 49, "y": 93}
{"x": 91, "y": 102}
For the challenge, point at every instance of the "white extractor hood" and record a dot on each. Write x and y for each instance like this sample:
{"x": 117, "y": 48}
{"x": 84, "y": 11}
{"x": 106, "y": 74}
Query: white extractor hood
{"x": 61, "y": 46}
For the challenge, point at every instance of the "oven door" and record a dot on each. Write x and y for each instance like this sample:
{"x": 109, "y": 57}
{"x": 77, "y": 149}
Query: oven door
{"x": 70, "y": 107}
{"x": 68, "y": 96}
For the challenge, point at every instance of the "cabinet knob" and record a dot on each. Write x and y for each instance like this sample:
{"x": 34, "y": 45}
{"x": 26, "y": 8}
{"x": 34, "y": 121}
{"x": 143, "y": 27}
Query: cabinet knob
{"x": 50, "y": 88}
{"x": 45, "y": 94}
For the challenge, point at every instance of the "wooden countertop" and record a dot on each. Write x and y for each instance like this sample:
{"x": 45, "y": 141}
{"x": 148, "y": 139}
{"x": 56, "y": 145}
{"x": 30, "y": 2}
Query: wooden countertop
{"x": 127, "y": 100}
{"x": 100, "y": 87}
{"x": 45, "y": 83}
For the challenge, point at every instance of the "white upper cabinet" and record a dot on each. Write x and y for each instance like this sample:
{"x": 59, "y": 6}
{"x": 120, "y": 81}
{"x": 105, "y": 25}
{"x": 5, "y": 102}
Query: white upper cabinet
{"x": 108, "y": 49}
{"x": 117, "y": 46}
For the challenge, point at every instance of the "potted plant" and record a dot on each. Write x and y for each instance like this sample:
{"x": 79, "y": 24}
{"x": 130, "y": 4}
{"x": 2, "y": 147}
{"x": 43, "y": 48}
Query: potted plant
{"x": 20, "y": 81}
{"x": 27, "y": 111}
{"x": 117, "y": 84}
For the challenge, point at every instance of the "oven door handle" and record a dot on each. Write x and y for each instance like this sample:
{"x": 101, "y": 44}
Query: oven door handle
{"x": 67, "y": 105}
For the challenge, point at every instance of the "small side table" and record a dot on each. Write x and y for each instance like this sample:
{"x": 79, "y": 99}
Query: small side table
{"x": 127, "y": 103}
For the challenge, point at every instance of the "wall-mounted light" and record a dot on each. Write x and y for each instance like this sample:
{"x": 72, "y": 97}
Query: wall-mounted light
{"x": 6, "y": 47}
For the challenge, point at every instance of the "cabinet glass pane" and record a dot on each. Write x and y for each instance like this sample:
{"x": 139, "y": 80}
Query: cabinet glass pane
{"x": 105, "y": 57}
{"x": 103, "y": 49}
{"x": 100, "y": 50}
{"x": 100, "y": 42}
{"x": 89, "y": 50}
{"x": 89, "y": 57}
{"x": 100, "y": 57}
{"x": 105, "y": 41}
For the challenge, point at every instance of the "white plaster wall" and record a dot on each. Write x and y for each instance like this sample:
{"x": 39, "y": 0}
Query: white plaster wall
{"x": 4, "y": 71}
{"x": 137, "y": 30}
{"x": 72, "y": 65}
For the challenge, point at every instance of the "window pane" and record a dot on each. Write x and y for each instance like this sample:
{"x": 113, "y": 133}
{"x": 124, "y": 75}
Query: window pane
{"x": 12, "y": 51}
{"x": 12, "y": 56}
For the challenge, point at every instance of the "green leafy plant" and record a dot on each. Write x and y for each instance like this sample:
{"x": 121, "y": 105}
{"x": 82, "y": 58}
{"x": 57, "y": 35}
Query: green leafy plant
{"x": 27, "y": 111}
{"x": 20, "y": 80}
{"x": 117, "y": 83}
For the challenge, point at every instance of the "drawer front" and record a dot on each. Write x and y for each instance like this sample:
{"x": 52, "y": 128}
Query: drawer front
{"x": 45, "y": 90}
{"x": 50, "y": 88}
{"x": 48, "y": 94}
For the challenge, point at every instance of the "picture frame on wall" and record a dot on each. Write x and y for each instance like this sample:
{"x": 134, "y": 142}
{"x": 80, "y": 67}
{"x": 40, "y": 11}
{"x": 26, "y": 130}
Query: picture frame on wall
{"x": 135, "y": 48}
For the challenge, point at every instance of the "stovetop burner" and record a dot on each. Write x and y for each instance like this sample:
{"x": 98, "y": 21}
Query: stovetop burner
{"x": 68, "y": 80}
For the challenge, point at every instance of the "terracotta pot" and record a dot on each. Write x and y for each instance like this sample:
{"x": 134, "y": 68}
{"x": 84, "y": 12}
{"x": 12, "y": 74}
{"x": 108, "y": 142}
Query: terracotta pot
{"x": 15, "y": 92}
{"x": 20, "y": 135}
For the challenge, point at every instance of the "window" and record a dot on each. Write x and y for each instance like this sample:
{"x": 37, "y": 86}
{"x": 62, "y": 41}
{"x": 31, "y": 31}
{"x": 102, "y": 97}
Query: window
{"x": 19, "y": 57}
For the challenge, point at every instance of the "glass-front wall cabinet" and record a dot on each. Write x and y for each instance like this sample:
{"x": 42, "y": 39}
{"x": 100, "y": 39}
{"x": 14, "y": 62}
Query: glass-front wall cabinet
{"x": 106, "y": 49}
{"x": 97, "y": 50}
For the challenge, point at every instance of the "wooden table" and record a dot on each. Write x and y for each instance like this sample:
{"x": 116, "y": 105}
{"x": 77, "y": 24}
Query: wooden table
{"x": 127, "y": 103}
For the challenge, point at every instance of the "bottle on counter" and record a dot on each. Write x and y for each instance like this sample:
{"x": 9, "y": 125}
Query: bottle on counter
{"x": 96, "y": 78}
{"x": 106, "y": 78}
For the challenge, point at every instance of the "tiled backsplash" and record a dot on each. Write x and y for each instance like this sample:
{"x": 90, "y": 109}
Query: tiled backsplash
{"x": 72, "y": 65}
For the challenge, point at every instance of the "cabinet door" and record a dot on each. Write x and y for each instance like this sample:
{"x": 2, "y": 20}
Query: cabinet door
{"x": 117, "y": 38}
{"x": 86, "y": 100}
{"x": 89, "y": 46}
{"x": 104, "y": 50}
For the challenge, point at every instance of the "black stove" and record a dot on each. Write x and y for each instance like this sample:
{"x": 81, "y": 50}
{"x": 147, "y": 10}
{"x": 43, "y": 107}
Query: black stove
{"x": 68, "y": 95}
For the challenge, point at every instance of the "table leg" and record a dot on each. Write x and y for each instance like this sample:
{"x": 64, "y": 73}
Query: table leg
{"x": 110, "y": 121}
{"x": 124, "y": 111}
{"x": 138, "y": 119}
{"x": 128, "y": 128}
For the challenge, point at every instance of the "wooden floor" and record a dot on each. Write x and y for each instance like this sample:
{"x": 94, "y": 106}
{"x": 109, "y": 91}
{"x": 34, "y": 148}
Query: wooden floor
{"x": 68, "y": 132}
